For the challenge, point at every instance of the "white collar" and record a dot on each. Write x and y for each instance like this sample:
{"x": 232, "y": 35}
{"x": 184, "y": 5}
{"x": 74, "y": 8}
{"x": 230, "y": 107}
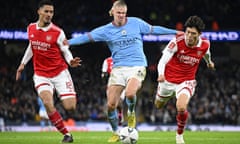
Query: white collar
{"x": 199, "y": 42}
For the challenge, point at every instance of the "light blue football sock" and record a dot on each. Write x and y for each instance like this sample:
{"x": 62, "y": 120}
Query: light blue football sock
{"x": 42, "y": 123}
{"x": 131, "y": 104}
{"x": 113, "y": 119}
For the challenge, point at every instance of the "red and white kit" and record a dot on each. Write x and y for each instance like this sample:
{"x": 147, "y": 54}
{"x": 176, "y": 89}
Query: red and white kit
{"x": 179, "y": 65}
{"x": 49, "y": 51}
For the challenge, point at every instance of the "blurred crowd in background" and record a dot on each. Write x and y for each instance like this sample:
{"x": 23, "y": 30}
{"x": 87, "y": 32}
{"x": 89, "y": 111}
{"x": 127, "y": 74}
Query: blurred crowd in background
{"x": 217, "y": 97}
{"x": 84, "y": 15}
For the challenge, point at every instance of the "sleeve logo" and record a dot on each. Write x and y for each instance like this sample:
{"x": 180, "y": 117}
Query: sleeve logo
{"x": 171, "y": 45}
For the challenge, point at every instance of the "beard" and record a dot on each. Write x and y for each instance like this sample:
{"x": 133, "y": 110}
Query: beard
{"x": 46, "y": 23}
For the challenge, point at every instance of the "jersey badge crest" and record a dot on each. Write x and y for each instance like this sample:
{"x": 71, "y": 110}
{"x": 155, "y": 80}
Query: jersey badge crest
{"x": 124, "y": 32}
{"x": 48, "y": 38}
{"x": 199, "y": 53}
{"x": 182, "y": 51}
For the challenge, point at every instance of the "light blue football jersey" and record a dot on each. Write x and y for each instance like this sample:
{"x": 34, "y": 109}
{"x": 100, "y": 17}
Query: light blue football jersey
{"x": 125, "y": 42}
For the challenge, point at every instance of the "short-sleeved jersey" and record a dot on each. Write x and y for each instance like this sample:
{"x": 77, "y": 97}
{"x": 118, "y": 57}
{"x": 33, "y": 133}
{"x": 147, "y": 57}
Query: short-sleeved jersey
{"x": 125, "y": 41}
{"x": 48, "y": 60}
{"x": 184, "y": 63}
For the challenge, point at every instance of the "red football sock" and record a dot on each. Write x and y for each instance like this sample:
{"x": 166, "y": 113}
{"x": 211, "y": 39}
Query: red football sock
{"x": 181, "y": 121}
{"x": 57, "y": 121}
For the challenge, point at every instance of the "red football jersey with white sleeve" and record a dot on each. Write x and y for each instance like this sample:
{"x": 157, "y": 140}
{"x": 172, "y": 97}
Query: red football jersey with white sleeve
{"x": 48, "y": 60}
{"x": 107, "y": 65}
{"x": 185, "y": 61}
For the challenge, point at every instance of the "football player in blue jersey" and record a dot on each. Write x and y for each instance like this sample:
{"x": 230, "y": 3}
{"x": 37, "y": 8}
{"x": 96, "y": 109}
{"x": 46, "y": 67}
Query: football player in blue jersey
{"x": 124, "y": 38}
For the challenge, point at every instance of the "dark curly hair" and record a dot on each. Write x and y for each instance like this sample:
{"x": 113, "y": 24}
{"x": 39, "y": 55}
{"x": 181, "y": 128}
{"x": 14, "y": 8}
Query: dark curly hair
{"x": 195, "y": 21}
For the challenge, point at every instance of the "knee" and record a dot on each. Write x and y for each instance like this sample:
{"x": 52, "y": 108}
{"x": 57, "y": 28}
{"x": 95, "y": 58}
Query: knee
{"x": 70, "y": 107}
{"x": 160, "y": 101}
{"x": 111, "y": 106}
{"x": 158, "y": 104}
{"x": 182, "y": 102}
{"x": 49, "y": 106}
{"x": 69, "y": 104}
{"x": 130, "y": 95}
{"x": 181, "y": 107}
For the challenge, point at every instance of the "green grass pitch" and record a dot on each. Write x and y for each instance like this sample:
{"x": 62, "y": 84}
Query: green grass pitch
{"x": 159, "y": 137}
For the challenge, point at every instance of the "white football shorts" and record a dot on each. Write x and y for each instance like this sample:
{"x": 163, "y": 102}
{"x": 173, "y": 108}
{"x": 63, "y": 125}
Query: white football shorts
{"x": 167, "y": 89}
{"x": 62, "y": 83}
{"x": 121, "y": 75}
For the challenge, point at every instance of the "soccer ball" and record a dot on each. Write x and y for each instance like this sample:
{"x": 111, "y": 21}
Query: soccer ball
{"x": 128, "y": 135}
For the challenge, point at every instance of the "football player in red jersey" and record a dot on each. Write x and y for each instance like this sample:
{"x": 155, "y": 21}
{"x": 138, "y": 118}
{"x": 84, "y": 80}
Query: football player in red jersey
{"x": 177, "y": 69}
{"x": 50, "y": 52}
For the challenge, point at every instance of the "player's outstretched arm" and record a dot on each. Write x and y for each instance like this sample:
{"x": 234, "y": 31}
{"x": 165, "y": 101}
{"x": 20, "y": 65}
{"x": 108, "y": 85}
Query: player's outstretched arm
{"x": 19, "y": 71}
{"x": 79, "y": 40}
{"x": 163, "y": 30}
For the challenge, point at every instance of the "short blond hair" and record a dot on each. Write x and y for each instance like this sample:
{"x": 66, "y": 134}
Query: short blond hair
{"x": 115, "y": 4}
